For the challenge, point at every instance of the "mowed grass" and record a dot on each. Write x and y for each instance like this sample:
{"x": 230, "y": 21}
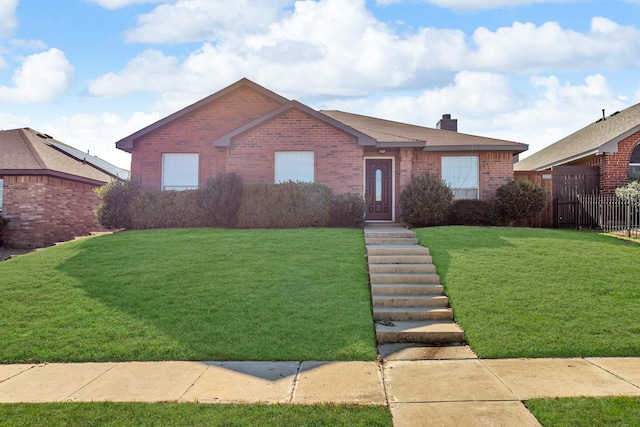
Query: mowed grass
{"x": 592, "y": 412}
{"x": 521, "y": 292}
{"x": 196, "y": 294}
{"x": 187, "y": 415}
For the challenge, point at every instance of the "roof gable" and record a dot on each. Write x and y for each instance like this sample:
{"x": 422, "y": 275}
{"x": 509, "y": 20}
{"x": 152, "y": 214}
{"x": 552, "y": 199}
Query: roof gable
{"x": 599, "y": 137}
{"x": 362, "y": 139}
{"x": 25, "y": 151}
{"x": 127, "y": 143}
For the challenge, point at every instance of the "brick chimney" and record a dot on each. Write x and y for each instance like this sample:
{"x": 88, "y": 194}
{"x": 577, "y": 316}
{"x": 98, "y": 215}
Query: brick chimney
{"x": 447, "y": 123}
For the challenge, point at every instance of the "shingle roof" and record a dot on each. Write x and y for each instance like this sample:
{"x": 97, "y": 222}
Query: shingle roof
{"x": 599, "y": 137}
{"x": 26, "y": 151}
{"x": 389, "y": 134}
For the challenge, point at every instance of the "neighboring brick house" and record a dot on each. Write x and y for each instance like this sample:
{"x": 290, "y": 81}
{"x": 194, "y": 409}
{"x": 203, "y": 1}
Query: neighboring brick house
{"x": 247, "y": 129}
{"x": 610, "y": 145}
{"x": 46, "y": 189}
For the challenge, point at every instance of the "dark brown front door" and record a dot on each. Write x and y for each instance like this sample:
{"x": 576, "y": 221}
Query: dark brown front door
{"x": 378, "y": 189}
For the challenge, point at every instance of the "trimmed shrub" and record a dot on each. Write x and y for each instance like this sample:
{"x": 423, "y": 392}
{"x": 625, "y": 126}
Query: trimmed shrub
{"x": 221, "y": 199}
{"x": 285, "y": 205}
{"x": 347, "y": 210}
{"x": 3, "y": 221}
{"x": 520, "y": 199}
{"x": 114, "y": 210}
{"x": 426, "y": 201}
{"x": 473, "y": 212}
{"x": 166, "y": 209}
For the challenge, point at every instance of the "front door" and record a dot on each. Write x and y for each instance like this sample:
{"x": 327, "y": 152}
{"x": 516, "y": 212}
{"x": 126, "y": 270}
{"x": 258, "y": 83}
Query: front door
{"x": 379, "y": 189}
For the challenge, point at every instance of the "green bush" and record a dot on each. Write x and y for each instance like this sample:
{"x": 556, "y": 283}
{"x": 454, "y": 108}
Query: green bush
{"x": 114, "y": 210}
{"x": 520, "y": 199}
{"x": 166, "y": 209}
{"x": 221, "y": 199}
{"x": 3, "y": 221}
{"x": 347, "y": 210}
{"x": 426, "y": 201}
{"x": 285, "y": 205}
{"x": 473, "y": 212}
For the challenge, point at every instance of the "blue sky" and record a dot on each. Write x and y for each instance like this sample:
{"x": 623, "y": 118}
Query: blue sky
{"x": 90, "y": 72}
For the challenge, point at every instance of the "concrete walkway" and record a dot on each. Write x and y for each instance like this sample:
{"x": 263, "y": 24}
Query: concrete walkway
{"x": 466, "y": 392}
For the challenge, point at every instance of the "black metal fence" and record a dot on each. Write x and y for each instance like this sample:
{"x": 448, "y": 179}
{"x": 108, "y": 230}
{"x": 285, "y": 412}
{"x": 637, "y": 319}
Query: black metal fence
{"x": 607, "y": 213}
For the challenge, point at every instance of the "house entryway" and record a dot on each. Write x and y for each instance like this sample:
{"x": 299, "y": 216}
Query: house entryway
{"x": 413, "y": 319}
{"x": 379, "y": 189}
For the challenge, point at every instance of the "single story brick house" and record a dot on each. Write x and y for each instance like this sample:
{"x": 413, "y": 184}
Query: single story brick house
{"x": 264, "y": 137}
{"x": 610, "y": 147}
{"x": 46, "y": 189}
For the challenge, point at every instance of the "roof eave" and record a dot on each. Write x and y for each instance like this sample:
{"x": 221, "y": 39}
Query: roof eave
{"x": 52, "y": 173}
{"x": 516, "y": 149}
{"x": 416, "y": 144}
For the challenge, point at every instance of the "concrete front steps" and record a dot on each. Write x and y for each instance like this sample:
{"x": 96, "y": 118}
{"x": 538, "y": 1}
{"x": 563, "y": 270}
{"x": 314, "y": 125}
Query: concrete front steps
{"x": 409, "y": 305}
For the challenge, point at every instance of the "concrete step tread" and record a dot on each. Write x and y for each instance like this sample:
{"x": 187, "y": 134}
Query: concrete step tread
{"x": 408, "y": 297}
{"x": 414, "y": 309}
{"x": 399, "y": 259}
{"x": 406, "y": 289}
{"x": 417, "y": 326}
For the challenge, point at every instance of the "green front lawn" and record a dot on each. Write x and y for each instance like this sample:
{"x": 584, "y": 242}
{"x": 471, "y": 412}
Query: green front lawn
{"x": 521, "y": 292}
{"x": 580, "y": 412}
{"x": 185, "y": 414}
{"x": 195, "y": 294}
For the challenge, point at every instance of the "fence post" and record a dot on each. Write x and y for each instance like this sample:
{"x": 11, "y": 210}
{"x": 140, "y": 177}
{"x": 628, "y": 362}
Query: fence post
{"x": 628, "y": 203}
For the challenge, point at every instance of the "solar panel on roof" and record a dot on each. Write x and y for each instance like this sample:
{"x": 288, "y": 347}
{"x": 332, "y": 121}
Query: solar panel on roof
{"x": 93, "y": 160}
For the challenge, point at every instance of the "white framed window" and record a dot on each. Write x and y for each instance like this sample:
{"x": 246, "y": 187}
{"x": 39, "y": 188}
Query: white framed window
{"x": 180, "y": 171}
{"x": 294, "y": 166}
{"x": 1, "y": 192}
{"x": 634, "y": 164}
{"x": 462, "y": 175}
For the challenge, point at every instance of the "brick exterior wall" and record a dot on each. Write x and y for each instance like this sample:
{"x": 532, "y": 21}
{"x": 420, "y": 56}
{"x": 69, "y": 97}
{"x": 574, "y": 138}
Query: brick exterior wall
{"x": 44, "y": 210}
{"x": 338, "y": 160}
{"x": 614, "y": 168}
{"x": 195, "y": 133}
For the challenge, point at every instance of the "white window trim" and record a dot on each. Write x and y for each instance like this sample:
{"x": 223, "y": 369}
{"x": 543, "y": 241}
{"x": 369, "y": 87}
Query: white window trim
{"x": 1, "y": 192}
{"x": 298, "y": 160}
{"x": 476, "y": 178}
{"x": 187, "y": 180}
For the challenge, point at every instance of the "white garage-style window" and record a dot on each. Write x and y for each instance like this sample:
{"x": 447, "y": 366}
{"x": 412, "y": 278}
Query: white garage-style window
{"x": 462, "y": 175}
{"x": 179, "y": 171}
{"x": 294, "y": 166}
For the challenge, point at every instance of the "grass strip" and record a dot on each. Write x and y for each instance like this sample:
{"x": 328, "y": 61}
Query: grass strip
{"x": 592, "y": 412}
{"x": 186, "y": 414}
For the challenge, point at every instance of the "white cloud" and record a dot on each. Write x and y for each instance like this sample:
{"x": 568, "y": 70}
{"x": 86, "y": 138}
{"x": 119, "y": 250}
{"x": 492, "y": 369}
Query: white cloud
{"x": 99, "y": 133}
{"x": 13, "y": 121}
{"x": 531, "y": 48}
{"x": 28, "y": 44}
{"x": 479, "y": 4}
{"x": 116, "y": 4}
{"x": 8, "y": 17}
{"x": 40, "y": 78}
{"x": 205, "y": 20}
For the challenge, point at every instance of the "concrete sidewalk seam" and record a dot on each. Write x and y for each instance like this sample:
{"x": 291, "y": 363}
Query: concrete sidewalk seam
{"x": 501, "y": 380}
{"x": 291, "y": 393}
{"x": 588, "y": 359}
{"x": 20, "y": 373}
{"x": 68, "y": 398}
{"x": 192, "y": 384}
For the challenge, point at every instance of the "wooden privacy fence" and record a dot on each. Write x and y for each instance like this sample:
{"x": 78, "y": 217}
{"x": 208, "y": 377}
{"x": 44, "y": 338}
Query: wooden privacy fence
{"x": 543, "y": 179}
{"x": 607, "y": 212}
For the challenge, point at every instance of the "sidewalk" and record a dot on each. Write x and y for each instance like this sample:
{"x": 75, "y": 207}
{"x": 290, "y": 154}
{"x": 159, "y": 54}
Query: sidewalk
{"x": 427, "y": 392}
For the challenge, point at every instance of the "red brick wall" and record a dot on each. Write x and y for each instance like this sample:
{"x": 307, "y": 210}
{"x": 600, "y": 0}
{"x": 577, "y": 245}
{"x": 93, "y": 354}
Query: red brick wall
{"x": 338, "y": 160}
{"x": 614, "y": 168}
{"x": 44, "y": 210}
{"x": 195, "y": 133}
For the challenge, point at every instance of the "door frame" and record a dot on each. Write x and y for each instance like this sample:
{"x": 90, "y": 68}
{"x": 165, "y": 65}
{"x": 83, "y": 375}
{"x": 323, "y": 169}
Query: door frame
{"x": 393, "y": 183}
